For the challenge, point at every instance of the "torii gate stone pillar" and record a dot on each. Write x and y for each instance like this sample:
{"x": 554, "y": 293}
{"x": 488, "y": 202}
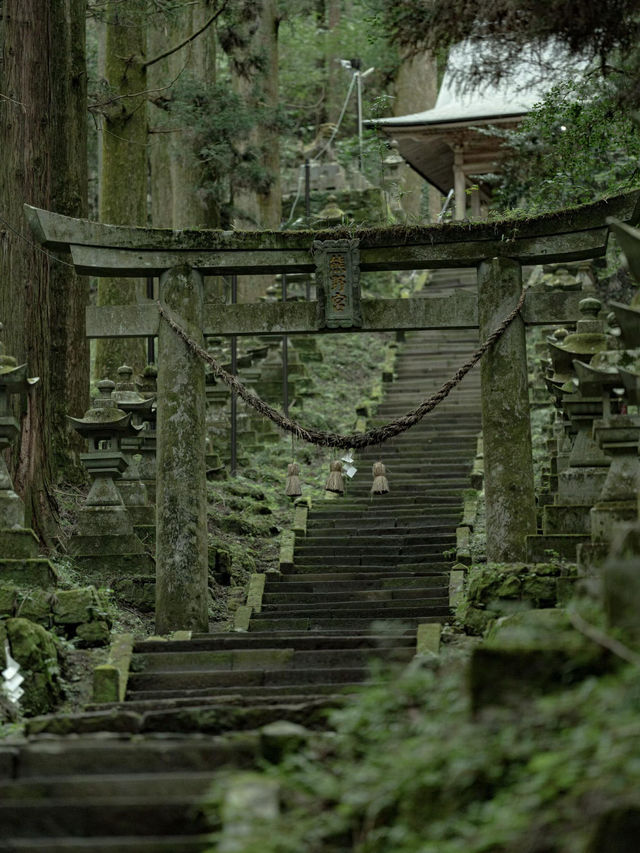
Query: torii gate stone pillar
{"x": 181, "y": 536}
{"x": 508, "y": 465}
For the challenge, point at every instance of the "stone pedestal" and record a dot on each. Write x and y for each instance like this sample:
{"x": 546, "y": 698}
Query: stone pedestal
{"x": 618, "y": 501}
{"x": 19, "y": 560}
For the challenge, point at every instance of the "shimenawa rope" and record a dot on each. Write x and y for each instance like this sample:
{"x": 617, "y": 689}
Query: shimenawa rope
{"x": 354, "y": 440}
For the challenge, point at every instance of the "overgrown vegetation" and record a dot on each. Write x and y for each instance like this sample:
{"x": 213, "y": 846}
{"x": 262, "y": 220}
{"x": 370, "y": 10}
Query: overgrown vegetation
{"x": 411, "y": 769}
{"x": 576, "y": 145}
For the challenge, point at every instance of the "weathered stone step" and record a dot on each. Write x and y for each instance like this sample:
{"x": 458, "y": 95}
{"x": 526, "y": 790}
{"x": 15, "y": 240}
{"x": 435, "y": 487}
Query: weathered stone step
{"x": 309, "y": 548}
{"x": 112, "y": 754}
{"x": 263, "y": 659}
{"x": 118, "y": 815}
{"x": 352, "y": 524}
{"x": 279, "y": 707}
{"x": 370, "y": 561}
{"x": 284, "y": 639}
{"x": 211, "y": 716}
{"x": 350, "y": 591}
{"x": 381, "y": 504}
{"x": 338, "y": 587}
{"x": 391, "y": 610}
{"x": 113, "y": 844}
{"x": 325, "y": 526}
{"x": 331, "y": 578}
{"x": 251, "y": 693}
{"x": 439, "y": 483}
{"x": 430, "y": 506}
{"x": 96, "y": 785}
{"x": 227, "y": 679}
{"x": 362, "y": 601}
{"x": 346, "y": 623}
{"x": 370, "y": 566}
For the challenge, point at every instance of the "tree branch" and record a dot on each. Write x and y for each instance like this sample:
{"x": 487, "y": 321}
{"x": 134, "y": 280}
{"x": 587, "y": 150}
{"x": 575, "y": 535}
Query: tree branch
{"x": 189, "y": 39}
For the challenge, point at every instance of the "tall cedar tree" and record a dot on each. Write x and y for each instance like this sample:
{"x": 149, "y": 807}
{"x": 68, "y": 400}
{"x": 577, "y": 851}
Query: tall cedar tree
{"x": 43, "y": 139}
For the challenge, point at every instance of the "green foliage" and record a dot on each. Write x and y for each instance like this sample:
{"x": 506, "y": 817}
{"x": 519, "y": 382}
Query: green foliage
{"x": 575, "y": 146}
{"x": 313, "y": 85}
{"x": 410, "y": 770}
{"x": 216, "y": 124}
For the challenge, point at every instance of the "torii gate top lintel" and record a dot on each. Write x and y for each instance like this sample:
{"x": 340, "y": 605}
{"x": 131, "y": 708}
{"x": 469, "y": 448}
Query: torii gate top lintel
{"x": 115, "y": 250}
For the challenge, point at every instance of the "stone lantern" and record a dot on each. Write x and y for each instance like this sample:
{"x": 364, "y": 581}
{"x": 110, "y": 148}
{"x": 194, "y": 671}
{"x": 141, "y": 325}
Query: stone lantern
{"x": 132, "y": 490}
{"x": 105, "y": 541}
{"x": 331, "y": 215}
{"x": 19, "y": 559}
{"x": 147, "y": 387}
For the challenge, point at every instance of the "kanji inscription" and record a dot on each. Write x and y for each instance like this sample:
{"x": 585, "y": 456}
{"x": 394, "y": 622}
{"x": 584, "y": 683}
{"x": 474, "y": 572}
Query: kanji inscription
{"x": 338, "y": 283}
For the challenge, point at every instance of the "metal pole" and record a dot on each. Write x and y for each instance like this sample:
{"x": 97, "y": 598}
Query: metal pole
{"x": 359, "y": 94}
{"x": 285, "y": 356}
{"x": 151, "y": 349}
{"x": 234, "y": 370}
{"x": 307, "y": 192}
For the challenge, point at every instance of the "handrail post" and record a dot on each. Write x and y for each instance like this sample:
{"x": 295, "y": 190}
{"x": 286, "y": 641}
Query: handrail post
{"x": 506, "y": 427}
{"x": 181, "y": 497}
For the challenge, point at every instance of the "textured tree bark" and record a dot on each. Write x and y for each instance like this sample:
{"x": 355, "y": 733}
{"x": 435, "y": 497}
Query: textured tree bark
{"x": 123, "y": 184}
{"x": 256, "y": 209}
{"x": 43, "y": 138}
{"x": 416, "y": 89}
{"x": 262, "y": 209}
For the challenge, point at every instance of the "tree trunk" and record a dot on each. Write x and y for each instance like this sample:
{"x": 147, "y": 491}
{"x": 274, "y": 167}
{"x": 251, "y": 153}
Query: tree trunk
{"x": 256, "y": 209}
{"x": 416, "y": 89}
{"x": 69, "y": 189}
{"x": 44, "y": 163}
{"x": 123, "y": 185}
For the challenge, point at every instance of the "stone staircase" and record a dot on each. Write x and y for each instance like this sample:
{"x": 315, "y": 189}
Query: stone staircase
{"x": 130, "y": 776}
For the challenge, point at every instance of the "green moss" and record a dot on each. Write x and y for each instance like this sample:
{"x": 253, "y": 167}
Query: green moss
{"x": 499, "y": 589}
{"x": 36, "y": 651}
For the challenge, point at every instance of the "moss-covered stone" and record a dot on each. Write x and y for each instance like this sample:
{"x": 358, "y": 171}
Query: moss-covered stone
{"x": 29, "y": 572}
{"x": 94, "y": 633}
{"x": 498, "y": 589}
{"x": 34, "y": 648}
{"x": 530, "y": 653}
{"x": 75, "y": 606}
{"x": 8, "y": 600}
{"x": 138, "y": 592}
{"x": 36, "y": 605}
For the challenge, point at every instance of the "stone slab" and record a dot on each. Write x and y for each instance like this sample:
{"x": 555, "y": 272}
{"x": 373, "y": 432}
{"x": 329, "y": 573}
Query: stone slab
{"x": 566, "y": 518}
{"x": 428, "y": 638}
{"x": 538, "y": 547}
{"x": 18, "y": 544}
{"x": 35, "y": 572}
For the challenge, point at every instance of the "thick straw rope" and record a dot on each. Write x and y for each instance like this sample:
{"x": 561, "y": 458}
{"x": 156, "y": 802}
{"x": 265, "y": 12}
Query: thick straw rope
{"x": 331, "y": 439}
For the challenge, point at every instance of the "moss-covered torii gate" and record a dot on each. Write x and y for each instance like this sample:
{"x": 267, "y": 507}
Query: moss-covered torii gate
{"x": 180, "y": 258}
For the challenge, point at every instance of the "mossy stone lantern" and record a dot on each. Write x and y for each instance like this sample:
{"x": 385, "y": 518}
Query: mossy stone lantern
{"x": 19, "y": 560}
{"x": 13, "y": 380}
{"x": 105, "y": 541}
{"x": 132, "y": 489}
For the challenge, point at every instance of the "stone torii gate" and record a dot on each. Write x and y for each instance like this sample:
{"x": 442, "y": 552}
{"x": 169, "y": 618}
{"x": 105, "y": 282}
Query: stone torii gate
{"x": 181, "y": 258}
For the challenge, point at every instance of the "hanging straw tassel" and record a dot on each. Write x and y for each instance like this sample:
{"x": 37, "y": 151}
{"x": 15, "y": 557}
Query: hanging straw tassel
{"x": 335, "y": 483}
{"x": 294, "y": 488}
{"x": 380, "y": 483}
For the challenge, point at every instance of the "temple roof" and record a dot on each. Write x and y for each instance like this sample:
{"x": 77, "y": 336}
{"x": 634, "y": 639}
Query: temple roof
{"x": 513, "y": 96}
{"x": 426, "y": 139}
